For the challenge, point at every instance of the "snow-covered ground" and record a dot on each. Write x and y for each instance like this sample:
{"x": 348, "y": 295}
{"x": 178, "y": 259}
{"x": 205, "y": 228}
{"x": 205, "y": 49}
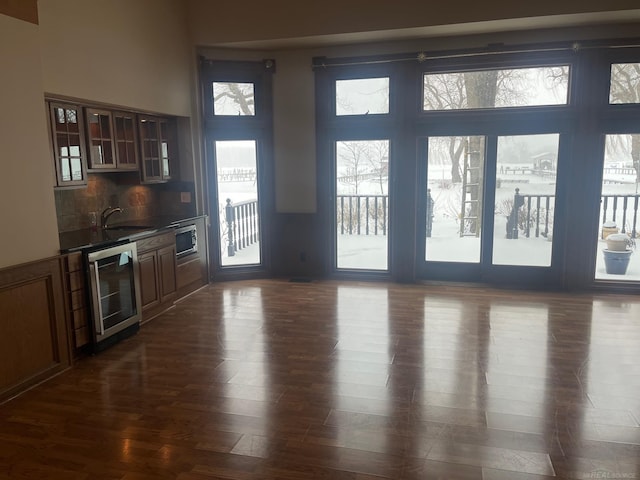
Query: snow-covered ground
{"x": 445, "y": 244}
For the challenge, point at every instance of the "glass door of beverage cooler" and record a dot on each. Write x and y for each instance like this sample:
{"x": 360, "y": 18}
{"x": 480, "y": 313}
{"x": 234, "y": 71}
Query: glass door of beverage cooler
{"x": 115, "y": 289}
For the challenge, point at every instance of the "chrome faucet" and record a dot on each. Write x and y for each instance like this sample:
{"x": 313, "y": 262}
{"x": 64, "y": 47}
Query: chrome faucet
{"x": 106, "y": 213}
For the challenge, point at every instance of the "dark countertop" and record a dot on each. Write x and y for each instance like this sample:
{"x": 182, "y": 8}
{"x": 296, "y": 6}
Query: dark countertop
{"x": 91, "y": 238}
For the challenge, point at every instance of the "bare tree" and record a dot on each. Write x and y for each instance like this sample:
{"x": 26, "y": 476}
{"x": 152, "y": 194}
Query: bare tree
{"x": 447, "y": 92}
{"x": 351, "y": 159}
{"x": 625, "y": 88}
{"x": 234, "y": 97}
{"x": 378, "y": 160}
{"x": 484, "y": 89}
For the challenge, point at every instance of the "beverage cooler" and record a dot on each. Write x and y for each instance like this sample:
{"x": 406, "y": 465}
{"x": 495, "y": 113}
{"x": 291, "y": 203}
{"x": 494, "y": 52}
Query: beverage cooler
{"x": 115, "y": 293}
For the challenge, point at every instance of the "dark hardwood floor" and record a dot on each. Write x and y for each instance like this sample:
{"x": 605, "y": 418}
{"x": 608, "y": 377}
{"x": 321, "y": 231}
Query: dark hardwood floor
{"x": 345, "y": 380}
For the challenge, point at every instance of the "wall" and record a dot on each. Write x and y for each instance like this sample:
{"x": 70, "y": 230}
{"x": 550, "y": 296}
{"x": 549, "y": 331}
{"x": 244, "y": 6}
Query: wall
{"x": 27, "y": 211}
{"x": 138, "y": 202}
{"x": 123, "y": 52}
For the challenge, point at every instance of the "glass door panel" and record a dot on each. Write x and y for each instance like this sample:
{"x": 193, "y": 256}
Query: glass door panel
{"x": 362, "y": 204}
{"x": 455, "y": 177}
{"x": 100, "y": 139}
{"x": 238, "y": 207}
{"x": 525, "y": 199}
{"x": 116, "y": 288}
{"x": 616, "y": 258}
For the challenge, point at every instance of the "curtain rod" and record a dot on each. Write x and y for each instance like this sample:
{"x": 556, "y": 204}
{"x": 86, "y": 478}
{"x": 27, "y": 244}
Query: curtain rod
{"x": 498, "y": 49}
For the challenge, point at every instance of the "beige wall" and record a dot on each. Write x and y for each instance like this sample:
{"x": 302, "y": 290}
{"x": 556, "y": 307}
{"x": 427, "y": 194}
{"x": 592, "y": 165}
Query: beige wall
{"x": 294, "y": 133}
{"x": 27, "y": 212}
{"x": 124, "y": 52}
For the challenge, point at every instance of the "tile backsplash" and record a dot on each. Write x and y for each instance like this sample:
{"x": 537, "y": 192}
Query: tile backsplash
{"x": 76, "y": 207}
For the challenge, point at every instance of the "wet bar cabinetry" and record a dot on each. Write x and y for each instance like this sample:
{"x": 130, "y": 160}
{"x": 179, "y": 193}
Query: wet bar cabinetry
{"x": 157, "y": 264}
{"x": 192, "y": 271}
{"x": 76, "y": 301}
{"x": 91, "y": 138}
{"x": 125, "y": 136}
{"x": 67, "y": 138}
{"x": 158, "y": 147}
{"x": 112, "y": 140}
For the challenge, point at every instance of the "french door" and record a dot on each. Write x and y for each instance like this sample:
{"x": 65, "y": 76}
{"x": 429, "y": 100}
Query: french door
{"x": 362, "y": 204}
{"x": 478, "y": 149}
{"x": 490, "y": 206}
{"x": 238, "y": 135}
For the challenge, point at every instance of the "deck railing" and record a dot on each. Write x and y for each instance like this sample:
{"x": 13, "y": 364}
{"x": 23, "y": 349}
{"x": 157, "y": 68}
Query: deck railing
{"x": 622, "y": 210}
{"x": 363, "y": 214}
{"x": 242, "y": 225}
{"x": 530, "y": 213}
{"x": 369, "y": 215}
{"x": 534, "y": 213}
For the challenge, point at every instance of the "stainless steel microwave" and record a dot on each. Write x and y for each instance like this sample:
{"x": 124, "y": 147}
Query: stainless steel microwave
{"x": 186, "y": 240}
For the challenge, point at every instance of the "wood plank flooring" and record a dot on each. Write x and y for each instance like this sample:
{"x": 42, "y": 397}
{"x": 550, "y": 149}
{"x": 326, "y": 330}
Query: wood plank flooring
{"x": 271, "y": 379}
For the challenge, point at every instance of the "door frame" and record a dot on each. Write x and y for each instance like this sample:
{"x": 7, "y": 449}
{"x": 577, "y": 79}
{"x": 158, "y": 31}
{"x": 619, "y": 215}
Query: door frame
{"x": 258, "y": 128}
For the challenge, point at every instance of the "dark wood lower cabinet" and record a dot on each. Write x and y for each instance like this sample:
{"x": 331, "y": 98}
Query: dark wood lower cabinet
{"x": 157, "y": 269}
{"x": 76, "y": 302}
{"x": 192, "y": 269}
{"x": 44, "y": 313}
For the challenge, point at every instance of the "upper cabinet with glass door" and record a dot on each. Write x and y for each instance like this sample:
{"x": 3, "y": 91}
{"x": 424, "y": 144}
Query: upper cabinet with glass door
{"x": 125, "y": 140}
{"x": 157, "y": 147}
{"x": 112, "y": 140}
{"x": 100, "y": 136}
{"x": 68, "y": 144}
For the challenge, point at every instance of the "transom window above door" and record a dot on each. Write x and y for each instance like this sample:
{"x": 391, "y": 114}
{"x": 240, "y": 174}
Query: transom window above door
{"x": 362, "y": 96}
{"x": 513, "y": 87}
{"x": 625, "y": 83}
{"x": 233, "y": 98}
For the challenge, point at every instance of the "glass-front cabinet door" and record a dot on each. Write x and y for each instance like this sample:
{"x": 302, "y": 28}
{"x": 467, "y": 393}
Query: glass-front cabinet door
{"x": 68, "y": 144}
{"x": 157, "y": 147}
{"x": 100, "y": 133}
{"x": 125, "y": 140}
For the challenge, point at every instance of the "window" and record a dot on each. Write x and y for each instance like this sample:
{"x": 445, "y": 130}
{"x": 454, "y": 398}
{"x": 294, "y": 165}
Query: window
{"x": 517, "y": 87}
{"x": 364, "y": 96}
{"x": 625, "y": 83}
{"x": 233, "y": 98}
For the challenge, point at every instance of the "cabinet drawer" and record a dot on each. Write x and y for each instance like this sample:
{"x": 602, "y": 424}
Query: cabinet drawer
{"x": 189, "y": 272}
{"x": 81, "y": 336}
{"x": 79, "y": 318}
{"x": 78, "y": 299}
{"x": 155, "y": 242}
{"x": 73, "y": 262}
{"x": 76, "y": 281}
